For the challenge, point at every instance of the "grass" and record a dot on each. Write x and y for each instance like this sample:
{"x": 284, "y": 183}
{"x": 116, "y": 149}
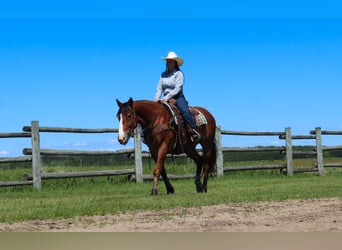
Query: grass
{"x": 103, "y": 195}
{"x": 68, "y": 198}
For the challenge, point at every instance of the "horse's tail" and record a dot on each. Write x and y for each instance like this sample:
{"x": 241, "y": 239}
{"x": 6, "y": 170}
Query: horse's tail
{"x": 212, "y": 168}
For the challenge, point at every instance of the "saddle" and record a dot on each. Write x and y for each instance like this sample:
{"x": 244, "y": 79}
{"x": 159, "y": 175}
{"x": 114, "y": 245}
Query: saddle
{"x": 197, "y": 115}
{"x": 177, "y": 122}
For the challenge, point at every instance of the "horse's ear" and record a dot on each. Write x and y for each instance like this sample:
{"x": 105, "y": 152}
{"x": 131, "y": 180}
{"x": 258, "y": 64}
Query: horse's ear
{"x": 119, "y": 103}
{"x": 130, "y": 102}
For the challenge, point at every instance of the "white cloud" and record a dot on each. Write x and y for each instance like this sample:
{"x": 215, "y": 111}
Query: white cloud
{"x": 4, "y": 153}
{"x": 79, "y": 144}
{"x": 71, "y": 144}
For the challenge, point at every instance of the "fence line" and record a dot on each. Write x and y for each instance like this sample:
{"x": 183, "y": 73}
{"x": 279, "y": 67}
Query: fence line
{"x": 16, "y": 159}
{"x": 280, "y": 135}
{"x": 37, "y": 177}
{"x": 34, "y": 154}
{"x": 320, "y": 162}
{"x": 287, "y": 149}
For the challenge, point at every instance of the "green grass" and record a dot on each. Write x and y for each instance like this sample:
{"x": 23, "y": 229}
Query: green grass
{"x": 103, "y": 195}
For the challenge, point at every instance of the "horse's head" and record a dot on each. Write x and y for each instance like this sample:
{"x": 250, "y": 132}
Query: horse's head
{"x": 127, "y": 120}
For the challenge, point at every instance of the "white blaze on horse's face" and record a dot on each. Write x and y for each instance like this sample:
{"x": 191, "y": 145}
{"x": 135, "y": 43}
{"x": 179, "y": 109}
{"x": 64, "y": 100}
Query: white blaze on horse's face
{"x": 122, "y": 136}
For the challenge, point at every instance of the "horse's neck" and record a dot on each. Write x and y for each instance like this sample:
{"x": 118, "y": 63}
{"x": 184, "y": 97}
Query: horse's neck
{"x": 147, "y": 113}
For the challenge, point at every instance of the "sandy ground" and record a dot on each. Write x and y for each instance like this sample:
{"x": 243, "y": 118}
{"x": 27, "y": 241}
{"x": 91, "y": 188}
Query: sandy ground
{"x": 322, "y": 215}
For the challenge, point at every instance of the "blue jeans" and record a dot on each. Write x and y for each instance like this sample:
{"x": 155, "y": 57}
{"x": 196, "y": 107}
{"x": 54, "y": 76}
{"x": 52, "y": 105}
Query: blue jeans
{"x": 183, "y": 107}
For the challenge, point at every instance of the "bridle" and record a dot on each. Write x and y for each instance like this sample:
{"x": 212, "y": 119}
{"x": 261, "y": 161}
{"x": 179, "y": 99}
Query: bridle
{"x": 154, "y": 129}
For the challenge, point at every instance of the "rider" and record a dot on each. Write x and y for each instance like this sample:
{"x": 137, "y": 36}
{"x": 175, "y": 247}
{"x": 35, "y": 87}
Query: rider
{"x": 171, "y": 86}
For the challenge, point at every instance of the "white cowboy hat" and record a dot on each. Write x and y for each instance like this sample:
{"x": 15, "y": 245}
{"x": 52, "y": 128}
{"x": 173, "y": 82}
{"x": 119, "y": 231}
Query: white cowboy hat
{"x": 172, "y": 55}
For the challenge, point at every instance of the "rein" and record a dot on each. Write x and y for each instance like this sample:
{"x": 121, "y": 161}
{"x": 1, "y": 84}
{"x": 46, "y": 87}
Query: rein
{"x": 150, "y": 126}
{"x": 167, "y": 126}
{"x": 154, "y": 130}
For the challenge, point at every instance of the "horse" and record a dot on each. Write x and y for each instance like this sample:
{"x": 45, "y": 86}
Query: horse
{"x": 163, "y": 136}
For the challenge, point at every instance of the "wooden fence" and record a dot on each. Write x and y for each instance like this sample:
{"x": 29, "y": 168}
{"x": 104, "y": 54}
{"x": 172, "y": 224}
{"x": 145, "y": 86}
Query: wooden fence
{"x": 287, "y": 149}
{"x": 34, "y": 154}
{"x": 17, "y": 159}
{"x": 320, "y": 163}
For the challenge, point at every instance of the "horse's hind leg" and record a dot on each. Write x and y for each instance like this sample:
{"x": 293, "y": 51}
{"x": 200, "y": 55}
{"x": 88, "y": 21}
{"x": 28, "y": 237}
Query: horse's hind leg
{"x": 209, "y": 160}
{"x": 198, "y": 160}
{"x": 199, "y": 186}
{"x": 169, "y": 187}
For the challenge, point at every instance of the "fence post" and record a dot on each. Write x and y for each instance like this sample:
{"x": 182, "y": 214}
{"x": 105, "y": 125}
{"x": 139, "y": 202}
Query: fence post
{"x": 219, "y": 155}
{"x": 138, "y": 155}
{"x": 289, "y": 159}
{"x": 320, "y": 163}
{"x": 36, "y": 163}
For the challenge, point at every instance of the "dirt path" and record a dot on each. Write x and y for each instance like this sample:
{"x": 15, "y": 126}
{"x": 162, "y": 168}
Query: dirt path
{"x": 294, "y": 215}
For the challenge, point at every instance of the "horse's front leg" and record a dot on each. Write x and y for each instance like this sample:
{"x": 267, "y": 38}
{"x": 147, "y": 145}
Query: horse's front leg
{"x": 169, "y": 187}
{"x": 156, "y": 175}
{"x": 158, "y": 170}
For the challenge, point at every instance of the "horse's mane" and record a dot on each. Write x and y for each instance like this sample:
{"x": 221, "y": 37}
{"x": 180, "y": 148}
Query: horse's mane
{"x": 146, "y": 104}
{"x": 144, "y": 101}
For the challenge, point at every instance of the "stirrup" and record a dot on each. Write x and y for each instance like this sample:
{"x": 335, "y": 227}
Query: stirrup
{"x": 195, "y": 136}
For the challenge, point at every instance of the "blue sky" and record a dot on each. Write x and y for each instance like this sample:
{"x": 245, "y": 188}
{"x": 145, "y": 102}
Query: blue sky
{"x": 256, "y": 65}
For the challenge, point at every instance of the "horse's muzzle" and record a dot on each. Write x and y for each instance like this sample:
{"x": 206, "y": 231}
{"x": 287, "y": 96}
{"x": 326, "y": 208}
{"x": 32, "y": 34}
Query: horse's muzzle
{"x": 123, "y": 140}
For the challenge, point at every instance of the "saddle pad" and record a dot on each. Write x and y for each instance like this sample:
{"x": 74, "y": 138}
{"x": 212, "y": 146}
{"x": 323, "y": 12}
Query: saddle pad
{"x": 171, "y": 108}
{"x": 198, "y": 117}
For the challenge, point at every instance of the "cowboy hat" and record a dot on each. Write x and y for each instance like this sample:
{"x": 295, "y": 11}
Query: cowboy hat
{"x": 172, "y": 55}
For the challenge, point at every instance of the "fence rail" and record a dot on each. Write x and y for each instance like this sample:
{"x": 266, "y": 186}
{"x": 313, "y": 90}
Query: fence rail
{"x": 72, "y": 130}
{"x": 16, "y": 159}
{"x": 14, "y": 135}
{"x": 254, "y": 149}
{"x": 34, "y": 154}
{"x": 231, "y": 132}
{"x": 79, "y": 174}
{"x": 28, "y": 151}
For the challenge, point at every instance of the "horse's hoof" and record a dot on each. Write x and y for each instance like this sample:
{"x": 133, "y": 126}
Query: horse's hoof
{"x": 199, "y": 189}
{"x": 154, "y": 192}
{"x": 170, "y": 190}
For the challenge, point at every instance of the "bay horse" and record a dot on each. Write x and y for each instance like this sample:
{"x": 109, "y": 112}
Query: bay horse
{"x": 163, "y": 136}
